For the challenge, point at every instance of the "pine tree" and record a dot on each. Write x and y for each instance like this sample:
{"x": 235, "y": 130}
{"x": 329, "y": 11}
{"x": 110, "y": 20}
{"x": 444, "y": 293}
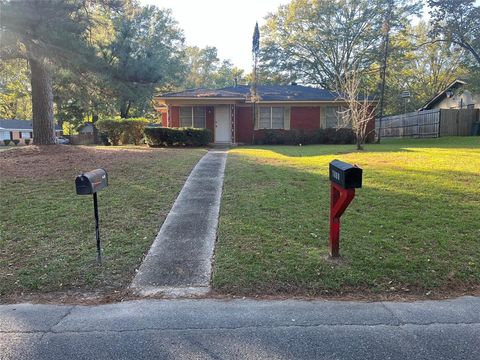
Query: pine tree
{"x": 46, "y": 33}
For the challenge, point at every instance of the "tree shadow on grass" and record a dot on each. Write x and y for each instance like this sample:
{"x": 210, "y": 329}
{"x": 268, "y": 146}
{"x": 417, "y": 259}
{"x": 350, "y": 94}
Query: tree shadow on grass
{"x": 273, "y": 235}
{"x": 388, "y": 146}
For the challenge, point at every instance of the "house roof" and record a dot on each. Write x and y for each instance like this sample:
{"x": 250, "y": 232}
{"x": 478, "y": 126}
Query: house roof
{"x": 442, "y": 94}
{"x": 288, "y": 93}
{"x": 204, "y": 93}
{"x": 21, "y": 125}
{"x": 265, "y": 92}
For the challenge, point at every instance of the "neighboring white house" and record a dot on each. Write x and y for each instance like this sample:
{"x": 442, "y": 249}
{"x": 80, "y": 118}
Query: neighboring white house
{"x": 86, "y": 128}
{"x": 19, "y": 130}
{"x": 454, "y": 96}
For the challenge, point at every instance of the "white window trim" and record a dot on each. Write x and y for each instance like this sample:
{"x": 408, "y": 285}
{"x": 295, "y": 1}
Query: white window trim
{"x": 192, "y": 116}
{"x": 337, "y": 110}
{"x": 271, "y": 118}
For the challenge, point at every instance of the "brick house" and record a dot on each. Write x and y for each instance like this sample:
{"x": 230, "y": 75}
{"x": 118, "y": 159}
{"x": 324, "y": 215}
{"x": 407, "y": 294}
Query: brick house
{"x": 228, "y": 112}
{"x": 20, "y": 129}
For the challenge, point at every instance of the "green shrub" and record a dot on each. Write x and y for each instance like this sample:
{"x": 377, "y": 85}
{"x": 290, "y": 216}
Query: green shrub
{"x": 112, "y": 129}
{"x": 325, "y": 136}
{"x": 304, "y": 137}
{"x": 273, "y": 137}
{"x": 345, "y": 136}
{"x": 16, "y": 142}
{"x": 133, "y": 130}
{"x": 117, "y": 130}
{"x": 104, "y": 139}
{"x": 285, "y": 137}
{"x": 27, "y": 141}
{"x": 335, "y": 136}
{"x": 160, "y": 136}
{"x": 7, "y": 142}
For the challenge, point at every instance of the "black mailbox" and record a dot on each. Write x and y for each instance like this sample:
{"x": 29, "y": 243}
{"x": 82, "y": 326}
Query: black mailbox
{"x": 346, "y": 175}
{"x": 91, "y": 182}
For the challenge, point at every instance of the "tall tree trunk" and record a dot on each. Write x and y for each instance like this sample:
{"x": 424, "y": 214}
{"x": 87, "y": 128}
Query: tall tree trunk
{"x": 125, "y": 108}
{"x": 359, "y": 141}
{"x": 58, "y": 101}
{"x": 95, "y": 130}
{"x": 42, "y": 103}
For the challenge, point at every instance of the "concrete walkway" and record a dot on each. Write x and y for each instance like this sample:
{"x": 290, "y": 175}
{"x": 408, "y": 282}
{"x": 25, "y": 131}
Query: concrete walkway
{"x": 243, "y": 329}
{"x": 179, "y": 262}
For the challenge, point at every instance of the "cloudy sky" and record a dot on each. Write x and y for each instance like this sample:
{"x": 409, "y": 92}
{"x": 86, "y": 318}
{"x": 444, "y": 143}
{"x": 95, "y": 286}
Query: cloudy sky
{"x": 226, "y": 24}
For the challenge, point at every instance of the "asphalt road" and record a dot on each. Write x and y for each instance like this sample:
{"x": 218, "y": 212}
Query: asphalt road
{"x": 243, "y": 329}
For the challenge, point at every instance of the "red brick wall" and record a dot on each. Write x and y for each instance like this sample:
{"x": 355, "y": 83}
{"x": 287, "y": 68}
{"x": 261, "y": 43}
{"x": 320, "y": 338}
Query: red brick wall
{"x": 163, "y": 117}
{"x": 174, "y": 116}
{"x": 307, "y": 118}
{"x": 210, "y": 120}
{"x": 17, "y": 135}
{"x": 243, "y": 124}
{"x": 14, "y": 135}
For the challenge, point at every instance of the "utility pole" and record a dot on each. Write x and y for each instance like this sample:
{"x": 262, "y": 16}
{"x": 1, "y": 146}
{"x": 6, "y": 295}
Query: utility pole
{"x": 253, "y": 90}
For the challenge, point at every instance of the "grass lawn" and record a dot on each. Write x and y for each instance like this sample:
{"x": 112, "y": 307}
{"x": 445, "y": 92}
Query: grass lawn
{"x": 47, "y": 241}
{"x": 414, "y": 227}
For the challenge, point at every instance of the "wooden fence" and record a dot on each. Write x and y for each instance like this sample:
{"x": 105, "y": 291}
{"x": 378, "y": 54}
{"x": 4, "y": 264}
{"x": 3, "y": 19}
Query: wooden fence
{"x": 457, "y": 122}
{"x": 81, "y": 139}
{"x": 428, "y": 123}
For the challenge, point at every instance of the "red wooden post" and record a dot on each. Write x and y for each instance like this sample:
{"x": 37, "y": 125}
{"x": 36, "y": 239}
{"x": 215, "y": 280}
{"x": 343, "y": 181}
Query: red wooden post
{"x": 340, "y": 198}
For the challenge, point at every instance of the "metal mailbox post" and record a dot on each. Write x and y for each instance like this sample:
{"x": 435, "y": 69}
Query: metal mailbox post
{"x": 344, "y": 178}
{"x": 90, "y": 183}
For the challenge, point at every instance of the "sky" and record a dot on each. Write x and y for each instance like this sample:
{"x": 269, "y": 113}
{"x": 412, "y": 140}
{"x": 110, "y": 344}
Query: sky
{"x": 228, "y": 25}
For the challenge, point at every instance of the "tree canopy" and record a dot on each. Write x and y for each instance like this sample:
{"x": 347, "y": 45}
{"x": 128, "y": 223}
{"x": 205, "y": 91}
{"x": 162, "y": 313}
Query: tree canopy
{"x": 456, "y": 22}
{"x": 48, "y": 34}
{"x": 146, "y": 52}
{"x": 319, "y": 41}
{"x": 82, "y": 60}
{"x": 205, "y": 69}
{"x": 420, "y": 66}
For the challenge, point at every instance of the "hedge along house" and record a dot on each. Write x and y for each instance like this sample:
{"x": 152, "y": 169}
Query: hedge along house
{"x": 228, "y": 112}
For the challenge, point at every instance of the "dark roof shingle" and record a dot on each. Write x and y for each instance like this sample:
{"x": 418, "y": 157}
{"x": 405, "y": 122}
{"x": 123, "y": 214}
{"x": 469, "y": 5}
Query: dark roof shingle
{"x": 266, "y": 93}
{"x": 13, "y": 124}
{"x": 203, "y": 93}
{"x": 291, "y": 93}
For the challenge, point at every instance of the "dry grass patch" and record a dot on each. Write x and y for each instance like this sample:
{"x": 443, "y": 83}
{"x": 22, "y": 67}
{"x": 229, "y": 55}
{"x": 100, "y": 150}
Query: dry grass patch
{"x": 47, "y": 241}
